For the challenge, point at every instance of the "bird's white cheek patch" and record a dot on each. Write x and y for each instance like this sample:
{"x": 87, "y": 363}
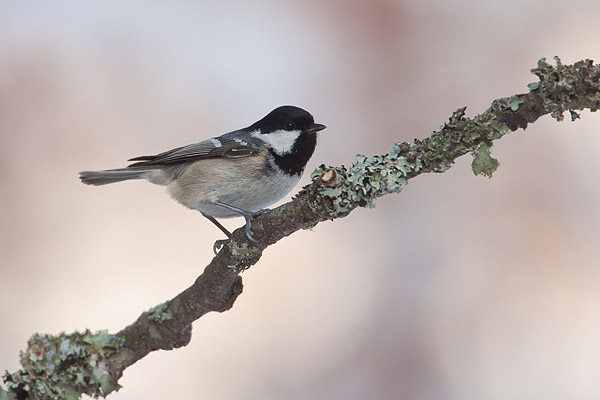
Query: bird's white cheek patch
{"x": 280, "y": 141}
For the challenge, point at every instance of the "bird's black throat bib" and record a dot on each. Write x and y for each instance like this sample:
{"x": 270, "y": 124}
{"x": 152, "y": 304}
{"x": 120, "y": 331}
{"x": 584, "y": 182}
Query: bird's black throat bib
{"x": 295, "y": 161}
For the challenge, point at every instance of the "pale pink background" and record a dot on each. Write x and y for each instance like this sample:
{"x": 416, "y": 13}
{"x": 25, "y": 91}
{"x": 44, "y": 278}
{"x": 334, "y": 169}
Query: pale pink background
{"x": 461, "y": 287}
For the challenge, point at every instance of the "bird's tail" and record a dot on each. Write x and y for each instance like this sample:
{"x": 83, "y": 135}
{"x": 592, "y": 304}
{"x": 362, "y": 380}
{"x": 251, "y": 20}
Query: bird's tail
{"x": 110, "y": 176}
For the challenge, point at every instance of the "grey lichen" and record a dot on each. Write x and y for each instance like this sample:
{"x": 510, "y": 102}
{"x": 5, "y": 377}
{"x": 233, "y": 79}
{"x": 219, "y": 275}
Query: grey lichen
{"x": 65, "y": 366}
{"x": 159, "y": 314}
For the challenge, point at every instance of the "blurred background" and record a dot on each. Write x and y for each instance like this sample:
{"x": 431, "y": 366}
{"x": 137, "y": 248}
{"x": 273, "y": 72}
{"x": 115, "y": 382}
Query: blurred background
{"x": 460, "y": 287}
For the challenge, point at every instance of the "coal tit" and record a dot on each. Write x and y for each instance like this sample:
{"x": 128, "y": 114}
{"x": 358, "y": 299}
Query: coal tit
{"x": 236, "y": 174}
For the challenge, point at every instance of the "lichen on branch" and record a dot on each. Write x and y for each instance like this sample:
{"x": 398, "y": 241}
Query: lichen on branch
{"x": 560, "y": 88}
{"x": 64, "y": 366}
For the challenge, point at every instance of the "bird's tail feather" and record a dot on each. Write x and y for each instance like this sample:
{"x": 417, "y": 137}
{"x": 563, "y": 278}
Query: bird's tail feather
{"x": 110, "y": 176}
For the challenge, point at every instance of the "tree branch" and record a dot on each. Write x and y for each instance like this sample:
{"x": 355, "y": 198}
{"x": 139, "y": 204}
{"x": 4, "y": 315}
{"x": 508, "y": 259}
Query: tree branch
{"x": 66, "y": 365}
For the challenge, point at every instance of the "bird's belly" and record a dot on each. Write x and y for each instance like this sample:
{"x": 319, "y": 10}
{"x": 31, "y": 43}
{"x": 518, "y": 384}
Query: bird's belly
{"x": 249, "y": 196}
{"x": 243, "y": 186}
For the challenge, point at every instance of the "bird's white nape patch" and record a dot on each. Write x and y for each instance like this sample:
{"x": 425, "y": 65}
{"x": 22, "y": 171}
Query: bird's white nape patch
{"x": 216, "y": 142}
{"x": 282, "y": 142}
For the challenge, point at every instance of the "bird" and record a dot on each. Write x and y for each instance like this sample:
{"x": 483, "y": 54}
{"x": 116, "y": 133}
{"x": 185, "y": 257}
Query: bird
{"x": 236, "y": 174}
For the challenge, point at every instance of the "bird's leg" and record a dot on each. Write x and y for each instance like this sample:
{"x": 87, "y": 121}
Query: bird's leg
{"x": 219, "y": 243}
{"x": 244, "y": 213}
{"x": 218, "y": 224}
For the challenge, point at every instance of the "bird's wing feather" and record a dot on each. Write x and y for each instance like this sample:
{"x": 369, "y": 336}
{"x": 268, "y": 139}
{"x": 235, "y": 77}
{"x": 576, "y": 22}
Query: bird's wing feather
{"x": 229, "y": 145}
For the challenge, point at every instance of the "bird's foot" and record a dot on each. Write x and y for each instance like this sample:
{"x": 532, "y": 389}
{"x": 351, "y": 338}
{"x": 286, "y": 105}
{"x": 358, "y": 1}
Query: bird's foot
{"x": 248, "y": 215}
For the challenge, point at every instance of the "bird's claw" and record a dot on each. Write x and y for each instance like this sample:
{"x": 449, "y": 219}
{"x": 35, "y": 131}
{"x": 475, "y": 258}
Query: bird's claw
{"x": 219, "y": 244}
{"x": 249, "y": 217}
{"x": 248, "y": 230}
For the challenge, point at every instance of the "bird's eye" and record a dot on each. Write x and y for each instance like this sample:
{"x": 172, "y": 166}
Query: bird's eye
{"x": 290, "y": 126}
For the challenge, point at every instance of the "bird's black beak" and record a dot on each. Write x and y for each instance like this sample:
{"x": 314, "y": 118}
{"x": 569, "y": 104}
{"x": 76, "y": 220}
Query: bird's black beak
{"x": 315, "y": 128}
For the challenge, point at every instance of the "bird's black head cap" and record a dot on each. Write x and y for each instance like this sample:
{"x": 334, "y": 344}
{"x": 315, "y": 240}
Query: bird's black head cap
{"x": 288, "y": 118}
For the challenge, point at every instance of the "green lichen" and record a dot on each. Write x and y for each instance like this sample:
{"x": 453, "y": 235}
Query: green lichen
{"x": 243, "y": 255}
{"x": 4, "y": 395}
{"x": 158, "y": 313}
{"x": 483, "y": 162}
{"x": 366, "y": 180}
{"x": 65, "y": 366}
{"x": 515, "y": 101}
{"x": 567, "y": 87}
{"x": 533, "y": 86}
{"x": 307, "y": 226}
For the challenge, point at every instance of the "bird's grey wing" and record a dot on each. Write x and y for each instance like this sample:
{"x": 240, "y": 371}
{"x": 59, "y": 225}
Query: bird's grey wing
{"x": 229, "y": 145}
